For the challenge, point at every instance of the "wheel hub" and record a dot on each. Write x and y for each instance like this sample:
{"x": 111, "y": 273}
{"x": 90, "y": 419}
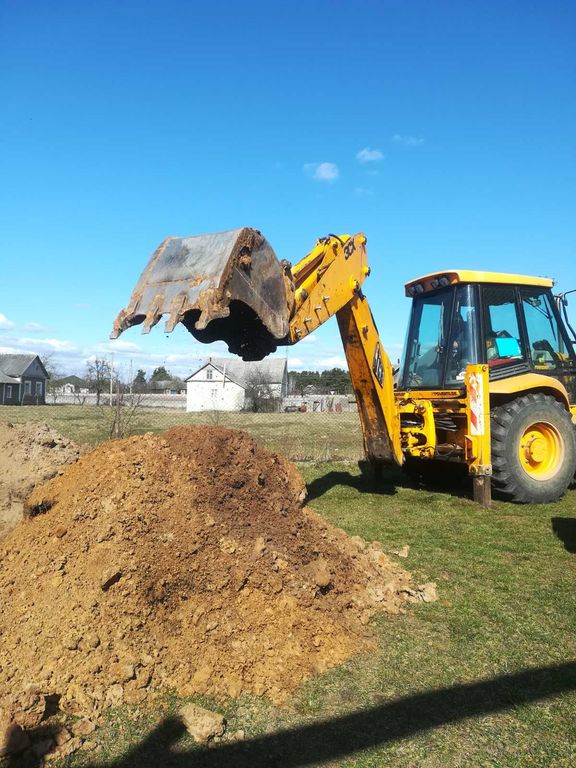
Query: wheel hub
{"x": 535, "y": 449}
{"x": 541, "y": 450}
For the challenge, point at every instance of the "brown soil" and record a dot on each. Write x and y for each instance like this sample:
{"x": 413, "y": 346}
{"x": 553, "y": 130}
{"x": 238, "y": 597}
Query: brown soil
{"x": 182, "y": 561}
{"x": 29, "y": 454}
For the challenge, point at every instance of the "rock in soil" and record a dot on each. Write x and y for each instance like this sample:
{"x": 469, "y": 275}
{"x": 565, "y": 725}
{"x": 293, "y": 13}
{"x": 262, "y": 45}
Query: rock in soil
{"x": 202, "y": 724}
{"x": 189, "y": 564}
{"x": 27, "y": 706}
{"x": 63, "y": 750}
{"x": 83, "y": 728}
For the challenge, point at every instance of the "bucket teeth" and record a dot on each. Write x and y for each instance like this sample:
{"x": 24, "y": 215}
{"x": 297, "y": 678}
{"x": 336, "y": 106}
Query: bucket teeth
{"x": 154, "y": 314}
{"x": 176, "y": 312}
{"x": 225, "y": 285}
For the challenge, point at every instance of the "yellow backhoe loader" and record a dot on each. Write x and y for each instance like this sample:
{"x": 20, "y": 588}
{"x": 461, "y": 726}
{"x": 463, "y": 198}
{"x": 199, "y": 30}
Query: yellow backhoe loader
{"x": 488, "y": 376}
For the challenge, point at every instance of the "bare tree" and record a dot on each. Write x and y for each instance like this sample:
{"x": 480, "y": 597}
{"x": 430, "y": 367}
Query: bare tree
{"x": 79, "y": 398}
{"x": 120, "y": 415}
{"x": 215, "y": 416}
{"x": 259, "y": 394}
{"x": 98, "y": 373}
{"x": 123, "y": 411}
{"x": 54, "y": 372}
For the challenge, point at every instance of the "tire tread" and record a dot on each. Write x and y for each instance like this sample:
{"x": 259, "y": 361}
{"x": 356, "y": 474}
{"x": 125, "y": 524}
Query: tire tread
{"x": 506, "y": 480}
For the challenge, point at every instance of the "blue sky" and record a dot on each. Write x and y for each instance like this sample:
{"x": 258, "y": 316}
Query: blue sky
{"x": 445, "y": 131}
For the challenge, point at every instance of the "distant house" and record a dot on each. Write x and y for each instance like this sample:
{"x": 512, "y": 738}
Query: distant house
{"x": 167, "y": 387}
{"x": 69, "y": 385}
{"x": 224, "y": 384}
{"x": 22, "y": 380}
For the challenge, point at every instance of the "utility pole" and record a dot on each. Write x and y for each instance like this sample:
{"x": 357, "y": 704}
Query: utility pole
{"x": 111, "y": 377}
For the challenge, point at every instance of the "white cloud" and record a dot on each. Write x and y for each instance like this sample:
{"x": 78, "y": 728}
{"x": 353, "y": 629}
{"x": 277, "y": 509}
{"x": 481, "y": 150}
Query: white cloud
{"x": 35, "y": 346}
{"x": 408, "y": 141}
{"x": 368, "y": 155}
{"x": 49, "y": 345}
{"x": 109, "y": 348}
{"x": 186, "y": 357}
{"x": 322, "y": 171}
{"x": 310, "y": 339}
{"x": 33, "y": 327}
{"x": 123, "y": 346}
{"x": 336, "y": 361}
{"x": 5, "y": 323}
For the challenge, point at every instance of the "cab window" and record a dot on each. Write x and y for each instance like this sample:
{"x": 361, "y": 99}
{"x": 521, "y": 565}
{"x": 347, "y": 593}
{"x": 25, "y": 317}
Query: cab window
{"x": 463, "y": 346}
{"x": 502, "y": 331}
{"x": 543, "y": 333}
{"x": 427, "y": 340}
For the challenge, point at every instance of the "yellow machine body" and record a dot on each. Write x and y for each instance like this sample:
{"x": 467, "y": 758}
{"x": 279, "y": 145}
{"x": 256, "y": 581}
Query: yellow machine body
{"x": 244, "y": 295}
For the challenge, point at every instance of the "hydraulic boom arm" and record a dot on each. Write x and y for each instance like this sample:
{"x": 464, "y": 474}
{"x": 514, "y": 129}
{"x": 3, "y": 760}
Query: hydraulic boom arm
{"x": 328, "y": 281}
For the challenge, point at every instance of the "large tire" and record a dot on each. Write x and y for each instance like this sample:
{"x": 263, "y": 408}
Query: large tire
{"x": 533, "y": 449}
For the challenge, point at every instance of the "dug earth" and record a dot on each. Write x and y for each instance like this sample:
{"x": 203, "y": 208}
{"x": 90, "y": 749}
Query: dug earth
{"x": 29, "y": 454}
{"x": 184, "y": 562}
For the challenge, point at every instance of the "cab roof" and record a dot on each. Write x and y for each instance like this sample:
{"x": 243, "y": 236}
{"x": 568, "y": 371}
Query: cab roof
{"x": 452, "y": 276}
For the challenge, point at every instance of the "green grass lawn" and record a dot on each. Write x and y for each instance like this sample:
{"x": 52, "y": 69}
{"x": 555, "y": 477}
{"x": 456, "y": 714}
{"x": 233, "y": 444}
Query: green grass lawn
{"x": 300, "y": 436}
{"x": 508, "y": 604}
{"x": 484, "y": 677}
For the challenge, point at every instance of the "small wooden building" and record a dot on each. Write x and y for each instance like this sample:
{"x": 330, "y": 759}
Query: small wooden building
{"x": 22, "y": 380}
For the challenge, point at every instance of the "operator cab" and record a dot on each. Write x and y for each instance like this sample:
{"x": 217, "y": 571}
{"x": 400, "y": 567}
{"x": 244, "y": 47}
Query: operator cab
{"x": 510, "y": 322}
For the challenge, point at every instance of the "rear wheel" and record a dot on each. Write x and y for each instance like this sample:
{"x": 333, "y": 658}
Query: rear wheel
{"x": 533, "y": 449}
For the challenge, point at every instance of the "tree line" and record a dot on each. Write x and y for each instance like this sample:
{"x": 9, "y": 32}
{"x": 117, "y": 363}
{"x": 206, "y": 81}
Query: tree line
{"x": 100, "y": 377}
{"x": 99, "y": 374}
{"x": 333, "y": 381}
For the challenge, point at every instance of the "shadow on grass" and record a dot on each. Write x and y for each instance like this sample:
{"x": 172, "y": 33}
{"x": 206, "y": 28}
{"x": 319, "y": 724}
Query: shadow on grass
{"x": 346, "y": 735}
{"x": 387, "y": 480}
{"x": 362, "y": 483}
{"x": 565, "y": 530}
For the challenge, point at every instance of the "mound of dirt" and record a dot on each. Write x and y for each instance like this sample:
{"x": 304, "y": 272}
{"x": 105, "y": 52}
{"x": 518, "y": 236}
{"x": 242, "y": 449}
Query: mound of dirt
{"x": 182, "y": 561}
{"x": 29, "y": 454}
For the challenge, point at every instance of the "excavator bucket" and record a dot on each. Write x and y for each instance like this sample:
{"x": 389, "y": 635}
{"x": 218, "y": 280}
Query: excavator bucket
{"x": 225, "y": 286}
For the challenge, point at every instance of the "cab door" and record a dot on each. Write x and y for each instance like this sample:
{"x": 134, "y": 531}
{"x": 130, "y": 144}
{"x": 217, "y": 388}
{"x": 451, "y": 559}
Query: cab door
{"x": 504, "y": 344}
{"x": 548, "y": 346}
